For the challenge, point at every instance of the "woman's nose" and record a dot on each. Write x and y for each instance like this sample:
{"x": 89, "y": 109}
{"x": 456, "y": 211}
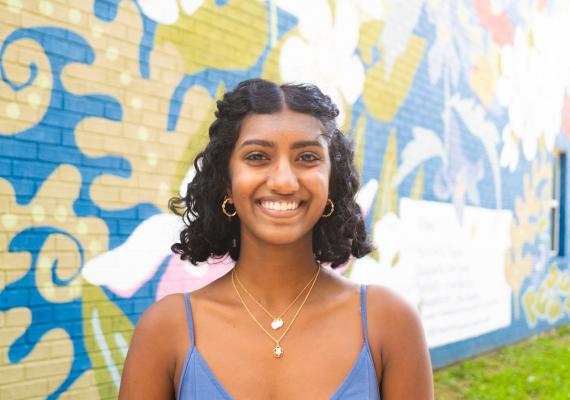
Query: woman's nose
{"x": 282, "y": 178}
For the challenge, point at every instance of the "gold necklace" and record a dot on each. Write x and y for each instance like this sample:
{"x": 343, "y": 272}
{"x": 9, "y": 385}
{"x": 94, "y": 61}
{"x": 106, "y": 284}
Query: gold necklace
{"x": 278, "y": 349}
{"x": 277, "y": 321}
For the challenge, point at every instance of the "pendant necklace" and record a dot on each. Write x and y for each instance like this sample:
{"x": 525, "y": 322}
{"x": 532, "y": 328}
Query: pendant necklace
{"x": 278, "y": 351}
{"x": 276, "y": 321}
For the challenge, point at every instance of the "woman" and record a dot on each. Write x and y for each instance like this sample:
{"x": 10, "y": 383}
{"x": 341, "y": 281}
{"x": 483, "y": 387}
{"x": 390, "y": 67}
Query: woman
{"x": 275, "y": 190}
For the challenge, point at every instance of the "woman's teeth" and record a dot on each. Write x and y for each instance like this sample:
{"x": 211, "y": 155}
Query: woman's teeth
{"x": 276, "y": 206}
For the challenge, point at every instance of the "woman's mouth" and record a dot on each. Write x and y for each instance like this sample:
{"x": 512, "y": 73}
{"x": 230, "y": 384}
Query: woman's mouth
{"x": 280, "y": 206}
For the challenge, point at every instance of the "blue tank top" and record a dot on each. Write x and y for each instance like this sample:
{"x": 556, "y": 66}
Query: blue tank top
{"x": 198, "y": 382}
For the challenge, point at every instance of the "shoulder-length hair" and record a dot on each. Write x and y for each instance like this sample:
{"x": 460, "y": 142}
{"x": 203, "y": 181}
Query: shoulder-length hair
{"x": 209, "y": 233}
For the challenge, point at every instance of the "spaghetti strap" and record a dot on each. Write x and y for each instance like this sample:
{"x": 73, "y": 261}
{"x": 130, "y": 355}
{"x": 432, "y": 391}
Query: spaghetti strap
{"x": 189, "y": 318}
{"x": 363, "y": 311}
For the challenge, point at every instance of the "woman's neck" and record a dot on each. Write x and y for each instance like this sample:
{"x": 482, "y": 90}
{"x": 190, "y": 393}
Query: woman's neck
{"x": 275, "y": 274}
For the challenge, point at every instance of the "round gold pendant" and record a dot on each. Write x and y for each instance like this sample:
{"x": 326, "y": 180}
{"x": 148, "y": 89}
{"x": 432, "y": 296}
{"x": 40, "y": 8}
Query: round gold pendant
{"x": 277, "y": 323}
{"x": 278, "y": 351}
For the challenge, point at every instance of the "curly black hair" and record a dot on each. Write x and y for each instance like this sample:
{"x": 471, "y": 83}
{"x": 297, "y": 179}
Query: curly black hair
{"x": 209, "y": 233}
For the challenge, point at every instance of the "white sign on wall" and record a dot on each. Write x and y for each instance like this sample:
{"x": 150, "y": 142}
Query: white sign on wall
{"x": 458, "y": 268}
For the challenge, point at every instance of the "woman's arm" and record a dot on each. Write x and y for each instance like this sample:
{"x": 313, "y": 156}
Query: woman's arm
{"x": 150, "y": 365}
{"x": 406, "y": 365}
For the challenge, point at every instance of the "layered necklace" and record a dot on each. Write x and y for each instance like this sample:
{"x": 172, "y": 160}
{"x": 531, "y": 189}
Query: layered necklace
{"x": 277, "y": 320}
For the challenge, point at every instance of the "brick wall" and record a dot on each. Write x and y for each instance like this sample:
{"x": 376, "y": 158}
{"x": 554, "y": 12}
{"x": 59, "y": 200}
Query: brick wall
{"x": 457, "y": 111}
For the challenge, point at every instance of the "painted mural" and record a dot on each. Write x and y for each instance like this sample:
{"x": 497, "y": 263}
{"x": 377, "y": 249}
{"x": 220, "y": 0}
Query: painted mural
{"x": 456, "y": 105}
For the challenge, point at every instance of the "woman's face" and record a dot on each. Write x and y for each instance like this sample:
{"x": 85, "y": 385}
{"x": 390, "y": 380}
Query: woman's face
{"x": 279, "y": 171}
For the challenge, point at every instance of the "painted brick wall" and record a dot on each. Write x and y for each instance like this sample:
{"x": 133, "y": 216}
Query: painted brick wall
{"x": 456, "y": 109}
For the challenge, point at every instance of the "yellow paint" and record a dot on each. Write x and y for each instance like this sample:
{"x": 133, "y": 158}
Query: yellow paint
{"x": 198, "y": 143}
{"x": 417, "y": 192}
{"x": 125, "y": 78}
{"x": 74, "y": 16}
{"x": 23, "y": 109}
{"x": 112, "y": 53}
{"x": 7, "y": 336}
{"x": 359, "y": 139}
{"x": 95, "y": 247}
{"x": 387, "y": 197}
{"x": 548, "y": 301}
{"x": 100, "y": 312}
{"x": 43, "y": 370}
{"x": 13, "y": 111}
{"x": 82, "y": 228}
{"x": 136, "y": 103}
{"x": 44, "y": 262}
{"x": 97, "y": 31}
{"x": 383, "y": 97}
{"x": 370, "y": 32}
{"x": 83, "y": 388}
{"x": 482, "y": 80}
{"x": 142, "y": 133}
{"x": 528, "y": 209}
{"x": 67, "y": 262}
{"x": 274, "y": 22}
{"x": 34, "y": 99}
{"x": 38, "y": 214}
{"x": 152, "y": 159}
{"x": 60, "y": 214}
{"x": 9, "y": 221}
{"x": 163, "y": 187}
{"x": 46, "y": 7}
{"x": 63, "y": 184}
{"x": 271, "y": 66}
{"x": 563, "y": 284}
{"x": 172, "y": 156}
{"x": 43, "y": 81}
{"x": 203, "y": 41}
{"x": 554, "y": 309}
{"x": 529, "y": 299}
{"x": 14, "y": 6}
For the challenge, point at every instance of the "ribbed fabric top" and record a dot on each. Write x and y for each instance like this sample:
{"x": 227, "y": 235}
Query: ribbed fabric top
{"x": 198, "y": 382}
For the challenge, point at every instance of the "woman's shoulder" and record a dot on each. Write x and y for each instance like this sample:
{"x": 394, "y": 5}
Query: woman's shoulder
{"x": 393, "y": 322}
{"x": 389, "y": 312}
{"x": 397, "y": 335}
{"x": 165, "y": 311}
{"x": 155, "y": 346}
{"x": 162, "y": 320}
{"x": 383, "y": 302}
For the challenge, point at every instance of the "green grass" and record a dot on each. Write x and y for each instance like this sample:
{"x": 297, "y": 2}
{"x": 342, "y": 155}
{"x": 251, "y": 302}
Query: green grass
{"x": 537, "y": 368}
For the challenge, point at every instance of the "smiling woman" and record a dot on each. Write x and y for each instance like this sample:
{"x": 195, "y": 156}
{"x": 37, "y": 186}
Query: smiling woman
{"x": 274, "y": 189}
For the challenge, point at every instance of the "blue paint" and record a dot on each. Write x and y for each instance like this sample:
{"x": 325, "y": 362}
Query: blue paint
{"x": 13, "y": 147}
{"x": 146, "y": 45}
{"x": 106, "y": 10}
{"x": 24, "y": 293}
{"x": 64, "y": 113}
{"x": 144, "y": 297}
{"x": 562, "y": 205}
{"x": 211, "y": 78}
{"x": 5, "y": 167}
{"x": 285, "y": 22}
{"x": 31, "y": 169}
{"x": 518, "y": 330}
{"x": 73, "y": 49}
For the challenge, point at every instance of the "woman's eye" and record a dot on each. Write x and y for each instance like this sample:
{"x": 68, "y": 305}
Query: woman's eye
{"x": 309, "y": 157}
{"x": 255, "y": 157}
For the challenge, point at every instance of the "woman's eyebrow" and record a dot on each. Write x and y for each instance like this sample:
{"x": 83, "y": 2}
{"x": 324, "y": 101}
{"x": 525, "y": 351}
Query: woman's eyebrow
{"x": 306, "y": 143}
{"x": 258, "y": 142}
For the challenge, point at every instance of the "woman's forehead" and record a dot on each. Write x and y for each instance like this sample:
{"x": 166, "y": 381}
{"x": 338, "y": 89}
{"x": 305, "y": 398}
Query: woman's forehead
{"x": 280, "y": 125}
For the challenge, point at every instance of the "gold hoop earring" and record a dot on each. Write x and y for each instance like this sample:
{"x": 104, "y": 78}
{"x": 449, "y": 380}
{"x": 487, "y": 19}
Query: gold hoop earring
{"x": 329, "y": 201}
{"x": 226, "y": 201}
